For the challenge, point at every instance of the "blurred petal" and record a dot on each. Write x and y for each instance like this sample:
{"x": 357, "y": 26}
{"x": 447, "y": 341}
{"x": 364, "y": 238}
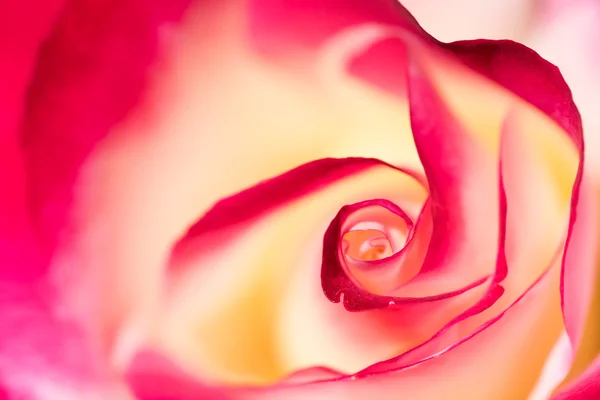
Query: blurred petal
{"x": 153, "y": 377}
{"x": 70, "y": 109}
{"x": 587, "y": 386}
{"x": 18, "y": 56}
{"x": 45, "y": 354}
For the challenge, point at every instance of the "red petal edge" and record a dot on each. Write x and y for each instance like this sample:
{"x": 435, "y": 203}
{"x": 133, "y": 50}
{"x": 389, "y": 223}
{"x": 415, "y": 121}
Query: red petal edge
{"x": 269, "y": 194}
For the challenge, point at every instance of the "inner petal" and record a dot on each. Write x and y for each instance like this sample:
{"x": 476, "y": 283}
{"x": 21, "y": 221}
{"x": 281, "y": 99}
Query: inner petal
{"x": 367, "y": 245}
{"x": 375, "y": 230}
{"x": 370, "y": 236}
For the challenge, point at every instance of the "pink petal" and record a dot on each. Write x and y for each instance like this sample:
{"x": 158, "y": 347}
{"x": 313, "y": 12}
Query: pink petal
{"x": 19, "y": 48}
{"x": 151, "y": 376}
{"x": 586, "y": 387}
{"x": 90, "y": 73}
{"x": 45, "y": 354}
{"x": 280, "y": 27}
{"x": 579, "y": 269}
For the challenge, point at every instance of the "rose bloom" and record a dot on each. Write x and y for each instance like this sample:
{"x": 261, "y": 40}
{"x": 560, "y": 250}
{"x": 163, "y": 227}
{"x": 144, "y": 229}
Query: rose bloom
{"x": 287, "y": 199}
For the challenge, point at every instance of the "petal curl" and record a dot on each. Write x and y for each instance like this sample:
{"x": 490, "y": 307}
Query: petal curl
{"x": 461, "y": 177}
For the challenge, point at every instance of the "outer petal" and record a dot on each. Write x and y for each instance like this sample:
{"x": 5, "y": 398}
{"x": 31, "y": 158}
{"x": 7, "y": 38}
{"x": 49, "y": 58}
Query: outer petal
{"x": 153, "y": 377}
{"x": 18, "y": 53}
{"x": 587, "y": 386}
{"x": 45, "y": 351}
{"x": 94, "y": 47}
{"x": 46, "y": 355}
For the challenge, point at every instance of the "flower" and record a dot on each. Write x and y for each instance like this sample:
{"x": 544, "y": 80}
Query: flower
{"x": 284, "y": 199}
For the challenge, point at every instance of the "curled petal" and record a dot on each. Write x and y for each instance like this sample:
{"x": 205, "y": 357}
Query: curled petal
{"x": 337, "y": 277}
{"x": 458, "y": 173}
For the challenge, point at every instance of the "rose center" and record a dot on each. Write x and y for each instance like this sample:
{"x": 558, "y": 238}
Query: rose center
{"x": 367, "y": 245}
{"x": 376, "y": 234}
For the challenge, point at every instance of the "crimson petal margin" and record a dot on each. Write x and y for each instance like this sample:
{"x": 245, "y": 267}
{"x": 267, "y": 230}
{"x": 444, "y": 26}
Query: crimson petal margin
{"x": 153, "y": 377}
{"x": 18, "y": 55}
{"x": 275, "y": 192}
{"x": 525, "y": 73}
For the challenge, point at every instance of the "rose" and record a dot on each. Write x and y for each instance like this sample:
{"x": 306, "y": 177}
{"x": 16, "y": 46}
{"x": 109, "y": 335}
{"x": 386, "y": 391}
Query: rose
{"x": 111, "y": 294}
